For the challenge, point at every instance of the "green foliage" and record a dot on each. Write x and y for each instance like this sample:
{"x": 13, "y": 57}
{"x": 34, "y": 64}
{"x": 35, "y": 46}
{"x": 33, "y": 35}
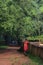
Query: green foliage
{"x": 21, "y": 17}
{"x": 36, "y": 38}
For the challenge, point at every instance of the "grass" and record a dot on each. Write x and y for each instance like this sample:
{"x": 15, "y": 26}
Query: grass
{"x": 3, "y": 46}
{"x": 35, "y": 60}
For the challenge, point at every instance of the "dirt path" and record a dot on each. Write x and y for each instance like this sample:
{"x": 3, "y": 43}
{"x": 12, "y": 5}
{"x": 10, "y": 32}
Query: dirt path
{"x": 11, "y": 56}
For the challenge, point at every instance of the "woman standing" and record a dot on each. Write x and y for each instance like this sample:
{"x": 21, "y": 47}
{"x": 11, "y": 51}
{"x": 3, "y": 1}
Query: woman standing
{"x": 26, "y": 46}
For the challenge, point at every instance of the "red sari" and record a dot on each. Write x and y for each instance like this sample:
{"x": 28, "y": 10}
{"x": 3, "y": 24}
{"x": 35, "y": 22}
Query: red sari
{"x": 26, "y": 45}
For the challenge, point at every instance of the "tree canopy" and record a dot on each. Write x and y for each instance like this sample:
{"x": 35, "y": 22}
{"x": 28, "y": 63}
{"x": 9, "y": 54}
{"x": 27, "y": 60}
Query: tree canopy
{"x": 20, "y": 18}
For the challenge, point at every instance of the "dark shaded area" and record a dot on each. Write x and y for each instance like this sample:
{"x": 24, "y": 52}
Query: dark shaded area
{"x": 10, "y": 41}
{"x": 33, "y": 40}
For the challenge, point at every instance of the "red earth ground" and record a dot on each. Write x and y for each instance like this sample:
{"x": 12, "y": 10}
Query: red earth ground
{"x": 11, "y": 56}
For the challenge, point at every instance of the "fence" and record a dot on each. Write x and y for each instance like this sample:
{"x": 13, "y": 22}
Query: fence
{"x": 36, "y": 49}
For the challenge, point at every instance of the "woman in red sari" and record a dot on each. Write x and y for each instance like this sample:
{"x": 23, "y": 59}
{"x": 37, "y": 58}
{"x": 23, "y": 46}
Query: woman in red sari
{"x": 26, "y": 46}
